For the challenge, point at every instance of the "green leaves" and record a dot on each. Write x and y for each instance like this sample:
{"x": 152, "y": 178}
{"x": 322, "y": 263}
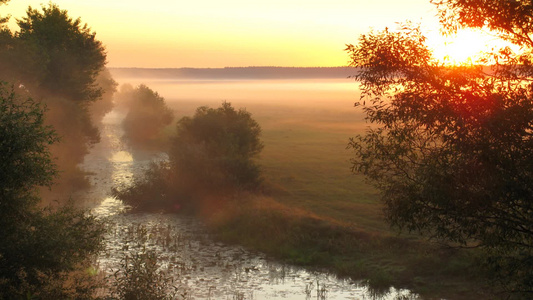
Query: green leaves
{"x": 216, "y": 148}
{"x": 38, "y": 246}
{"x": 25, "y": 162}
{"x": 450, "y": 146}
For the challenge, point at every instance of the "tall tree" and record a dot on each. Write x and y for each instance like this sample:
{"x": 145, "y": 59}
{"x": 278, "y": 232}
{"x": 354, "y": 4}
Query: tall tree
{"x": 59, "y": 61}
{"x": 451, "y": 147}
{"x": 67, "y": 54}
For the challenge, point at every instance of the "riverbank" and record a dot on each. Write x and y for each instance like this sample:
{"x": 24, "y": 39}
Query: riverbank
{"x": 188, "y": 257}
{"x": 383, "y": 260}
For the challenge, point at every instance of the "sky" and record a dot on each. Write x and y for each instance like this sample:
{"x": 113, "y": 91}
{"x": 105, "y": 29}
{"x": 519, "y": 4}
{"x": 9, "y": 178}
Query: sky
{"x": 233, "y": 33}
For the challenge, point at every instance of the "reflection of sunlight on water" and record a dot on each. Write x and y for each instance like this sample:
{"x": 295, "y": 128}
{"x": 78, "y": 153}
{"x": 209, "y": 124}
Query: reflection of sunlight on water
{"x": 115, "y": 165}
{"x": 122, "y": 175}
{"x": 207, "y": 269}
{"x": 122, "y": 156}
{"x": 110, "y": 206}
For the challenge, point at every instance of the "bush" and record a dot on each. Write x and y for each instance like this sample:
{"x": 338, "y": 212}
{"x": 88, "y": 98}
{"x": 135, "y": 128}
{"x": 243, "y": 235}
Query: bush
{"x": 215, "y": 149}
{"x": 140, "y": 278}
{"x": 211, "y": 156}
{"x": 147, "y": 116}
{"x": 149, "y": 191}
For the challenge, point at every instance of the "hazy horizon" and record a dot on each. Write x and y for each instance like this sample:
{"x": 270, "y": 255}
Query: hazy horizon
{"x": 207, "y": 33}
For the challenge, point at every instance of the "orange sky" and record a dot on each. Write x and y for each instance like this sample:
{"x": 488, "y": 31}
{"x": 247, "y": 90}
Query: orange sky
{"x": 211, "y": 33}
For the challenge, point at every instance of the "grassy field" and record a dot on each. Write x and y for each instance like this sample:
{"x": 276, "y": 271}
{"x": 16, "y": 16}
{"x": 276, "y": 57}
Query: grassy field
{"x": 317, "y": 213}
{"x": 309, "y": 165}
{"x": 305, "y": 160}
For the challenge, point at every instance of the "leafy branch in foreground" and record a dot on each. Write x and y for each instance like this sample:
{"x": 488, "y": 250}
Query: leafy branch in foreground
{"x": 41, "y": 248}
{"x": 451, "y": 147}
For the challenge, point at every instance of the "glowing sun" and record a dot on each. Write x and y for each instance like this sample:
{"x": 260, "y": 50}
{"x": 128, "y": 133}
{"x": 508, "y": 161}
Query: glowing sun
{"x": 466, "y": 46}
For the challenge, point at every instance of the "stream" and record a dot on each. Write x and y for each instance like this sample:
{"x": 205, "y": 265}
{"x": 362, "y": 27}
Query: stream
{"x": 201, "y": 267}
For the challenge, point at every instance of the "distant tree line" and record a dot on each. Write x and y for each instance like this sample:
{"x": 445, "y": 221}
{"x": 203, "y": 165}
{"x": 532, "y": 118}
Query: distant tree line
{"x": 245, "y": 73}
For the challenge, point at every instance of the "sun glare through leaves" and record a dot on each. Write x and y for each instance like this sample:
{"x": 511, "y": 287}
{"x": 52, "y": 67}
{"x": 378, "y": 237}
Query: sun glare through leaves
{"x": 467, "y": 46}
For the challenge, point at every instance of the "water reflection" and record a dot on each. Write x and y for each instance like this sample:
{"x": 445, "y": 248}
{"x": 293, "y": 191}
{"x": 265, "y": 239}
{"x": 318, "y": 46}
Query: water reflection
{"x": 121, "y": 156}
{"x": 108, "y": 207}
{"x": 207, "y": 269}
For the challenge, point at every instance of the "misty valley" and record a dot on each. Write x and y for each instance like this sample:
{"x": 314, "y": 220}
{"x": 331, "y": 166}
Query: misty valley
{"x": 404, "y": 174}
{"x": 199, "y": 265}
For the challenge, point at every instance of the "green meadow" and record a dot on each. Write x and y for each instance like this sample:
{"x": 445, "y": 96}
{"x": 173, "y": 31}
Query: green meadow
{"x": 307, "y": 163}
{"x": 305, "y": 160}
{"x": 316, "y": 212}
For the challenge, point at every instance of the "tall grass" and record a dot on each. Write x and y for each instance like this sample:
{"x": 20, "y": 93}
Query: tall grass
{"x": 142, "y": 273}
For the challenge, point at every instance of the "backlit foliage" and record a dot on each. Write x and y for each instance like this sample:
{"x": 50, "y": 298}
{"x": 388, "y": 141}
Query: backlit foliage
{"x": 450, "y": 147}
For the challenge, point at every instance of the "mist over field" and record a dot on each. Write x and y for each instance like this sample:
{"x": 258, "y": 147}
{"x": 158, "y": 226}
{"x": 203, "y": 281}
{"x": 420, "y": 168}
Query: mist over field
{"x": 288, "y": 164}
{"x": 324, "y": 93}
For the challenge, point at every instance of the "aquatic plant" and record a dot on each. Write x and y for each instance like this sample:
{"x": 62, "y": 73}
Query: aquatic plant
{"x": 140, "y": 273}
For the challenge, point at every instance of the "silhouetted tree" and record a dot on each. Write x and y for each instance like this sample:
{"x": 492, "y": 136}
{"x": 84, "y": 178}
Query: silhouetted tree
{"x": 39, "y": 248}
{"x": 58, "y": 61}
{"x": 510, "y": 19}
{"x": 451, "y": 147}
{"x": 6, "y": 43}
{"x": 68, "y": 57}
{"x": 3, "y": 20}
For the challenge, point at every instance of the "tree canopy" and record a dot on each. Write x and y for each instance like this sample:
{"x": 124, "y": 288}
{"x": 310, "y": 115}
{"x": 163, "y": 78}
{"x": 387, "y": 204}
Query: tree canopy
{"x": 451, "y": 147}
{"x": 67, "y": 54}
{"x": 216, "y": 148}
{"x": 25, "y": 161}
{"x": 54, "y": 60}
{"x": 211, "y": 155}
{"x": 58, "y": 61}
{"x": 510, "y": 19}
